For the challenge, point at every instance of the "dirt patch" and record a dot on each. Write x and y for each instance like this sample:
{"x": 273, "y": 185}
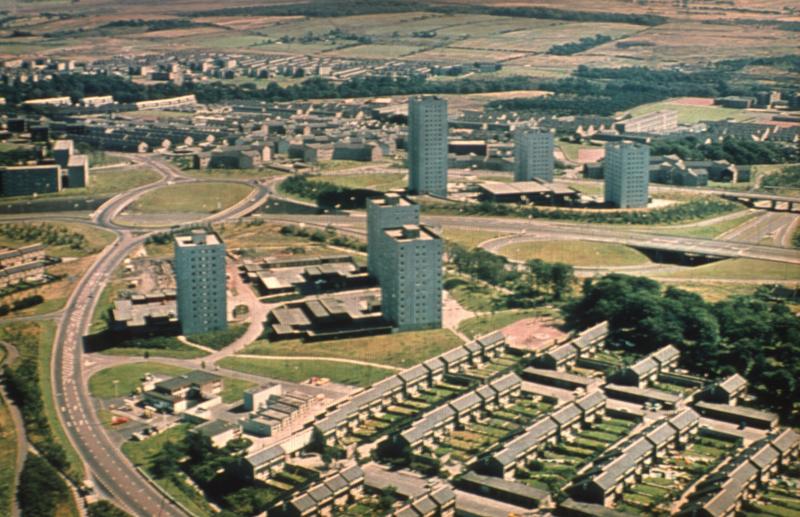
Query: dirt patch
{"x": 533, "y": 334}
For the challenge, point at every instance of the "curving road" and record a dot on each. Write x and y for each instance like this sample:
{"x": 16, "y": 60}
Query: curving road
{"x": 105, "y": 463}
{"x": 526, "y": 230}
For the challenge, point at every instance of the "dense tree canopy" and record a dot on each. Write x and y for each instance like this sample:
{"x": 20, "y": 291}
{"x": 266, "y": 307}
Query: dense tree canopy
{"x": 752, "y": 335}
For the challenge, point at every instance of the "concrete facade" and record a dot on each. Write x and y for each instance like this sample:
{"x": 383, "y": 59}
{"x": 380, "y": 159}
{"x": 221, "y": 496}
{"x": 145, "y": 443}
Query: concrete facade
{"x": 627, "y": 175}
{"x": 392, "y": 211}
{"x": 411, "y": 278}
{"x": 427, "y": 146}
{"x": 533, "y": 154}
{"x": 200, "y": 280}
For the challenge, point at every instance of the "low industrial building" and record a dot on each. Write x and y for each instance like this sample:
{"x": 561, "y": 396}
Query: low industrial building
{"x": 306, "y": 275}
{"x": 180, "y": 393}
{"x": 151, "y": 313}
{"x": 328, "y": 318}
{"x": 535, "y": 192}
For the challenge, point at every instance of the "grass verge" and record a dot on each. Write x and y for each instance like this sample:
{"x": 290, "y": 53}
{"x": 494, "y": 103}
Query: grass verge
{"x": 298, "y": 370}
{"x": 576, "y": 253}
{"x": 402, "y": 349}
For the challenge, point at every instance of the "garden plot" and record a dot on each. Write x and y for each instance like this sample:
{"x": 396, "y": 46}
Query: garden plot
{"x": 491, "y": 427}
{"x": 667, "y": 480}
{"x": 559, "y": 463}
{"x": 402, "y": 413}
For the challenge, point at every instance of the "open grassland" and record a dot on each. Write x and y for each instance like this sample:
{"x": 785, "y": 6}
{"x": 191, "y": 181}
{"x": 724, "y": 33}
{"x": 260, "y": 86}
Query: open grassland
{"x": 8, "y": 458}
{"x": 142, "y": 454}
{"x": 468, "y": 238}
{"x": 403, "y": 349}
{"x": 129, "y": 377}
{"x": 381, "y": 182}
{"x": 480, "y": 325}
{"x": 742, "y": 269}
{"x": 56, "y": 293}
{"x": 96, "y": 239}
{"x": 295, "y": 370}
{"x": 206, "y": 198}
{"x": 707, "y": 231}
{"x": 232, "y": 174}
{"x": 693, "y": 114}
{"x": 576, "y": 253}
{"x": 265, "y": 239}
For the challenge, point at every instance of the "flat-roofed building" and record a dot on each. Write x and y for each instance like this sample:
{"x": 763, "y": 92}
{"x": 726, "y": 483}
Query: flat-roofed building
{"x": 626, "y": 171}
{"x": 658, "y": 122}
{"x": 411, "y": 278}
{"x": 533, "y": 154}
{"x": 390, "y": 211}
{"x": 201, "y": 282}
{"x": 427, "y": 145}
{"x": 26, "y": 180}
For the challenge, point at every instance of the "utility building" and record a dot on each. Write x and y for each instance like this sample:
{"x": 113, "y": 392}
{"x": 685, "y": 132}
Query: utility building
{"x": 411, "y": 278}
{"x": 533, "y": 154}
{"x": 391, "y": 211}
{"x": 200, "y": 281}
{"x": 626, "y": 170}
{"x": 427, "y": 146}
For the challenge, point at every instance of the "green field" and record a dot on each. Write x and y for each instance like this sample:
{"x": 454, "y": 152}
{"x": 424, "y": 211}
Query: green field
{"x": 381, "y": 182}
{"x": 205, "y": 198}
{"x": 112, "y": 181}
{"x": 474, "y": 295}
{"x": 742, "y": 269}
{"x": 402, "y": 349}
{"x": 708, "y": 231}
{"x": 486, "y": 323}
{"x": 184, "y": 352}
{"x": 298, "y": 371}
{"x": 129, "y": 376}
{"x": 232, "y": 174}
{"x": 142, "y": 453}
{"x": 576, "y": 253}
{"x": 693, "y": 114}
{"x": 468, "y": 238}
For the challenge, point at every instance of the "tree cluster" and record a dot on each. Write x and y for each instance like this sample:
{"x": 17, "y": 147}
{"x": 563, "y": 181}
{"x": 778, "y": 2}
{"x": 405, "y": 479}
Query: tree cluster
{"x": 734, "y": 150}
{"x": 23, "y": 303}
{"x": 534, "y": 281}
{"x": 77, "y": 86}
{"x": 41, "y": 491}
{"x": 327, "y": 195}
{"x": 46, "y": 233}
{"x": 328, "y": 236}
{"x": 605, "y": 91}
{"x": 756, "y": 336}
{"x": 695, "y": 209}
{"x": 214, "y": 471}
{"x": 787, "y": 178}
{"x": 335, "y": 8}
{"x": 22, "y": 383}
{"x": 568, "y": 49}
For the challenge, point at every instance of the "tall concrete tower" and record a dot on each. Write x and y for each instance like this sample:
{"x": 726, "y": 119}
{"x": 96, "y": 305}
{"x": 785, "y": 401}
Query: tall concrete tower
{"x": 411, "y": 278}
{"x": 533, "y": 154}
{"x": 391, "y": 211}
{"x": 626, "y": 169}
{"x": 427, "y": 146}
{"x": 200, "y": 279}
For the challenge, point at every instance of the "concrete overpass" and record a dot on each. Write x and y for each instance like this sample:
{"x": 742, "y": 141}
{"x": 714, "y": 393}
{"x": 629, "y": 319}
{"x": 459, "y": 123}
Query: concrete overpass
{"x": 751, "y": 198}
